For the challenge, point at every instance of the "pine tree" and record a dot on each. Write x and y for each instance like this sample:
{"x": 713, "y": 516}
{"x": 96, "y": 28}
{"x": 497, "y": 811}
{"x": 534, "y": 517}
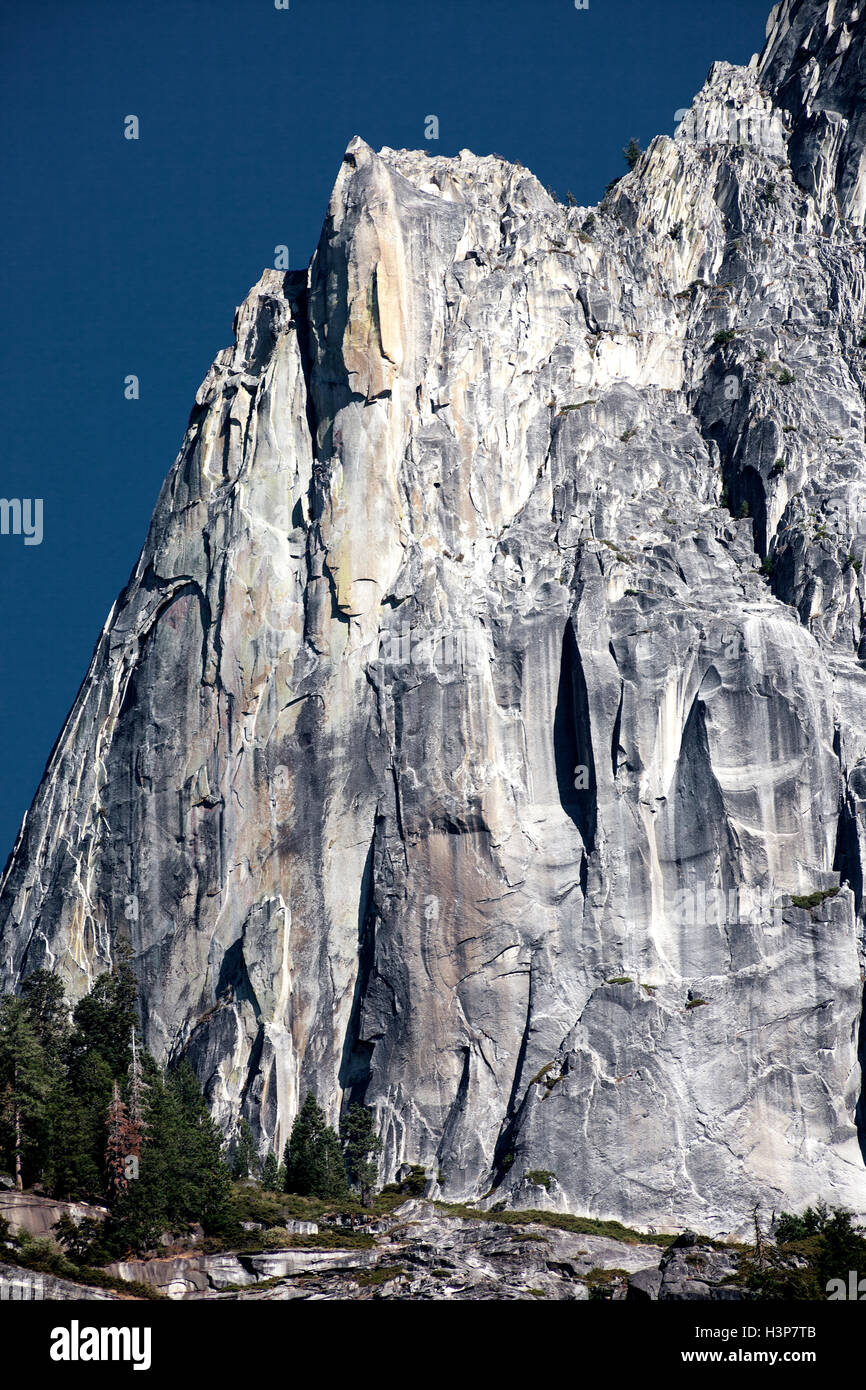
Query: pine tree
{"x": 24, "y": 1083}
{"x": 123, "y": 1142}
{"x": 137, "y": 1090}
{"x": 270, "y": 1173}
{"x": 43, "y": 995}
{"x": 77, "y": 1126}
{"x": 104, "y": 1018}
{"x": 313, "y": 1157}
{"x": 182, "y": 1175}
{"x": 245, "y": 1159}
{"x": 302, "y": 1148}
{"x": 360, "y": 1144}
{"x": 331, "y": 1179}
{"x": 632, "y": 152}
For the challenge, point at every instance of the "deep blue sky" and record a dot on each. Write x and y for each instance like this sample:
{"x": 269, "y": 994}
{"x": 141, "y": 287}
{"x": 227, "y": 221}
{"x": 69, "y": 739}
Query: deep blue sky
{"x": 123, "y": 257}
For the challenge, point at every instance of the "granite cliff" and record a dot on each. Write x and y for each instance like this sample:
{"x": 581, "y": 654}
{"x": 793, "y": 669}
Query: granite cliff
{"x": 482, "y": 731}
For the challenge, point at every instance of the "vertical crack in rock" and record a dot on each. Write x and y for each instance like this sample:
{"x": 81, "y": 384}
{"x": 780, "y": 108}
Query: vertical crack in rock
{"x": 572, "y": 737}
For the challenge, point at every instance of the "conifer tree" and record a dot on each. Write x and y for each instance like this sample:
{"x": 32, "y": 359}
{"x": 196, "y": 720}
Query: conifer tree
{"x": 313, "y": 1157}
{"x": 302, "y": 1147}
{"x": 245, "y": 1159}
{"x": 23, "y": 1084}
{"x": 360, "y": 1144}
{"x": 270, "y": 1173}
{"x": 137, "y": 1089}
{"x": 123, "y": 1142}
{"x": 331, "y": 1178}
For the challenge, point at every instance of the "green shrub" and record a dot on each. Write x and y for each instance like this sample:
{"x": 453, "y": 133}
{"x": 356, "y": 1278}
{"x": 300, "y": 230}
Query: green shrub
{"x": 785, "y": 377}
{"x": 810, "y": 900}
{"x": 811, "y": 1249}
{"x": 415, "y": 1182}
{"x": 540, "y": 1177}
{"x": 724, "y": 335}
{"x": 632, "y": 152}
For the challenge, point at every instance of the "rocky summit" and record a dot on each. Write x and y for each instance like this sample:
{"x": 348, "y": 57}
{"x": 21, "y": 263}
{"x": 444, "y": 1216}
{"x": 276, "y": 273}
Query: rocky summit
{"x": 481, "y": 734}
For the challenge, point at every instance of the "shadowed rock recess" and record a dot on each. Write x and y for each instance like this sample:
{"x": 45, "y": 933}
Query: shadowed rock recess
{"x": 494, "y": 674}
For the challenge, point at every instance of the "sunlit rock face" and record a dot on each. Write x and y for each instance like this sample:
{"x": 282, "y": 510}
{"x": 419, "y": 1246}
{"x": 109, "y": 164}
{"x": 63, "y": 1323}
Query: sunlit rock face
{"x": 492, "y": 675}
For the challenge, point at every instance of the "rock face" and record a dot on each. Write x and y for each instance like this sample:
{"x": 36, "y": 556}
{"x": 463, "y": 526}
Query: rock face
{"x": 493, "y": 675}
{"x": 421, "y": 1252}
{"x": 25, "y": 1211}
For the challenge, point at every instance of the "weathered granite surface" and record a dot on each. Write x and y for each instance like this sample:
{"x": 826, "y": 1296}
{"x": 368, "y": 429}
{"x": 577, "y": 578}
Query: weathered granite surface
{"x": 422, "y": 1252}
{"x": 25, "y": 1211}
{"x": 457, "y": 745}
{"x": 19, "y": 1285}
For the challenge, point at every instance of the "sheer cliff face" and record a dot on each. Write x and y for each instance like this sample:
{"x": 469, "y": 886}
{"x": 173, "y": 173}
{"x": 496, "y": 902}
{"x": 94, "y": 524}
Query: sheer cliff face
{"x": 450, "y": 748}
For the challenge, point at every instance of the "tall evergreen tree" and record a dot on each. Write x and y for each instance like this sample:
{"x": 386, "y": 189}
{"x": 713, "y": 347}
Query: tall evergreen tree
{"x": 137, "y": 1088}
{"x": 46, "y": 1004}
{"x": 331, "y": 1179}
{"x": 24, "y": 1084}
{"x": 270, "y": 1173}
{"x": 104, "y": 1018}
{"x": 313, "y": 1157}
{"x": 245, "y": 1160}
{"x": 302, "y": 1147}
{"x": 360, "y": 1145}
{"x": 182, "y": 1175}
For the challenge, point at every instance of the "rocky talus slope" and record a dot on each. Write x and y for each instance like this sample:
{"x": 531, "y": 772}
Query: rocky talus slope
{"x": 420, "y": 1251}
{"x": 491, "y": 684}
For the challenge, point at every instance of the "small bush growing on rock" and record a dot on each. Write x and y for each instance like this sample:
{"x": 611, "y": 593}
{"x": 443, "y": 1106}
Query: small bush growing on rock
{"x": 810, "y": 900}
{"x": 540, "y": 1177}
{"x": 785, "y": 377}
{"x": 632, "y": 152}
{"x": 778, "y": 468}
{"x": 724, "y": 335}
{"x": 414, "y": 1183}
